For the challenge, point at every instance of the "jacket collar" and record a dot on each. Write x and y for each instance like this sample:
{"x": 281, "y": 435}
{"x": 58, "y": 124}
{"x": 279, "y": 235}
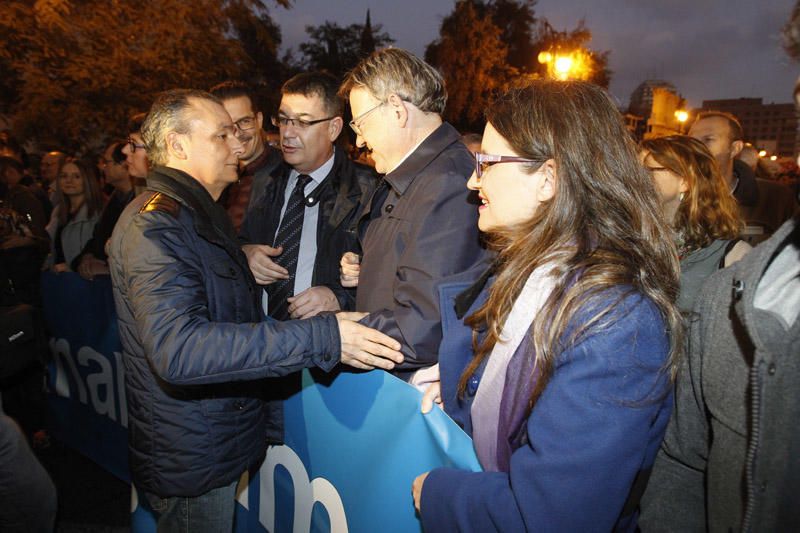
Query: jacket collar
{"x": 749, "y": 271}
{"x": 211, "y": 220}
{"x": 402, "y": 177}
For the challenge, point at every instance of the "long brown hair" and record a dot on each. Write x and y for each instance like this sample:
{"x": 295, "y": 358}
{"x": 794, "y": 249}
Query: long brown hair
{"x": 92, "y": 196}
{"x": 602, "y": 229}
{"x": 708, "y": 210}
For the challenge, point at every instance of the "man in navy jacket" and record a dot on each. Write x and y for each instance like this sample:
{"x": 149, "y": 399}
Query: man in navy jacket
{"x": 191, "y": 325}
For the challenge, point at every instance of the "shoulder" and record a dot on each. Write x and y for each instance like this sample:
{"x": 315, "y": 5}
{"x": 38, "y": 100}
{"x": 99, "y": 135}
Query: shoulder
{"x": 737, "y": 252}
{"x": 161, "y": 203}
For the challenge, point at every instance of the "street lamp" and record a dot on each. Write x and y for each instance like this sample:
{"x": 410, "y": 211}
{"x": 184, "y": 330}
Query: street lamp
{"x": 562, "y": 67}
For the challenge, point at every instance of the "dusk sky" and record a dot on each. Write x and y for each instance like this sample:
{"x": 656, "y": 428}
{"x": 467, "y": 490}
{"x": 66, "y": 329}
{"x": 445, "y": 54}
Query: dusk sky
{"x": 708, "y": 49}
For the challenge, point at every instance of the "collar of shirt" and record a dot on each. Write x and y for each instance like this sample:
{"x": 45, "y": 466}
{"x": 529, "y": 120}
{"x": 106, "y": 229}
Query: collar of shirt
{"x": 317, "y": 176}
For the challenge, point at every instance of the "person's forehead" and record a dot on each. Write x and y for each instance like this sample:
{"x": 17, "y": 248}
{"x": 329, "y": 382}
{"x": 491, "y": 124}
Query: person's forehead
{"x": 301, "y": 104}
{"x": 207, "y": 114}
{"x": 239, "y": 104}
{"x": 718, "y": 125}
{"x": 70, "y": 168}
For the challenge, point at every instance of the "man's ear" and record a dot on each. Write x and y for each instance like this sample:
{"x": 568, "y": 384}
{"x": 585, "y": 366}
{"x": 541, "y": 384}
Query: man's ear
{"x": 398, "y": 109}
{"x": 175, "y": 145}
{"x": 547, "y": 186}
{"x": 259, "y": 120}
{"x": 736, "y": 147}
{"x": 335, "y": 128}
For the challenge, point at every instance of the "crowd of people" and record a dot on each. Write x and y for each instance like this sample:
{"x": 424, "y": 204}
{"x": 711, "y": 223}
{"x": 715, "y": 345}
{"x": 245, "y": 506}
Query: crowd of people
{"x": 619, "y": 339}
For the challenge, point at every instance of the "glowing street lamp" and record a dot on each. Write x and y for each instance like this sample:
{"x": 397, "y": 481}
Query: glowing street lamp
{"x": 762, "y": 153}
{"x": 562, "y": 67}
{"x": 682, "y": 115}
{"x": 773, "y": 158}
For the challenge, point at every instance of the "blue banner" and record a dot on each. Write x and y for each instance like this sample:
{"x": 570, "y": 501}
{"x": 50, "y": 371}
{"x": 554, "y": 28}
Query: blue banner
{"x": 354, "y": 441}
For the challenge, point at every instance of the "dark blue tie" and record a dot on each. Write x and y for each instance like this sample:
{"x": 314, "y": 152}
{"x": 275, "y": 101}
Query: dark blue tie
{"x": 288, "y": 236}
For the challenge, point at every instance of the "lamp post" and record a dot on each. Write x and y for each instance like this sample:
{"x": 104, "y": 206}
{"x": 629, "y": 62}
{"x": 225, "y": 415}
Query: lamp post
{"x": 681, "y": 116}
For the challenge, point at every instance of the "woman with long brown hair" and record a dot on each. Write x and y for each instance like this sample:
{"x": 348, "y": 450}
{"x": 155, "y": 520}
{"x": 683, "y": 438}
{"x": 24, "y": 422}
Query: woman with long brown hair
{"x": 568, "y": 389}
{"x": 78, "y": 203}
{"x": 698, "y": 206}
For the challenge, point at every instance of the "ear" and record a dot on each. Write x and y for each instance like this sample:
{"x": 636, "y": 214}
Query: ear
{"x": 175, "y": 145}
{"x": 736, "y": 147}
{"x": 260, "y": 120}
{"x": 398, "y": 110}
{"x": 335, "y": 128}
{"x": 684, "y": 186}
{"x": 547, "y": 186}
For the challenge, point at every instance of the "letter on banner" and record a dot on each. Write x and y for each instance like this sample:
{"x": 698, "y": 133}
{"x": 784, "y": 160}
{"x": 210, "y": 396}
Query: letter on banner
{"x": 306, "y": 493}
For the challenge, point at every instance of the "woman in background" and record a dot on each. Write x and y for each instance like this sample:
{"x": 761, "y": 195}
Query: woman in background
{"x": 567, "y": 391}
{"x": 78, "y": 205}
{"x": 699, "y": 208}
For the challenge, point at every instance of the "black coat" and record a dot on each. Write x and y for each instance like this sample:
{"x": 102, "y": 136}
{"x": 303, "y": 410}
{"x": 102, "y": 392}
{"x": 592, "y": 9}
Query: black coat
{"x": 345, "y": 189}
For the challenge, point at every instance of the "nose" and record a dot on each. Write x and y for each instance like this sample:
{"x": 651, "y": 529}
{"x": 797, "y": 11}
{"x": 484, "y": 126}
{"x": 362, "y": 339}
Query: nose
{"x": 473, "y": 183}
{"x": 360, "y": 142}
{"x": 236, "y": 145}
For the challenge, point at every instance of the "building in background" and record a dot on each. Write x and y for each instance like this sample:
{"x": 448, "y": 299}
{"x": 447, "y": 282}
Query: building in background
{"x": 656, "y": 109}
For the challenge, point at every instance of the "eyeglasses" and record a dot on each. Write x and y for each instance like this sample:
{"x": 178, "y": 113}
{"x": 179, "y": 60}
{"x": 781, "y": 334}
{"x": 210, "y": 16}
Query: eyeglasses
{"x": 133, "y": 145}
{"x": 484, "y": 161}
{"x": 245, "y": 124}
{"x": 281, "y": 121}
{"x": 355, "y": 123}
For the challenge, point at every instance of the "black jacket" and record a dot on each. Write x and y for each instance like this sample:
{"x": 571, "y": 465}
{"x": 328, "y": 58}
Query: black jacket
{"x": 341, "y": 195}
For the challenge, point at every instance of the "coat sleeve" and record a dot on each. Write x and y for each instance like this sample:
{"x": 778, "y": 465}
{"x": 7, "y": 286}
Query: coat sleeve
{"x": 442, "y": 245}
{"x": 588, "y": 435}
{"x": 675, "y": 496}
{"x": 169, "y": 302}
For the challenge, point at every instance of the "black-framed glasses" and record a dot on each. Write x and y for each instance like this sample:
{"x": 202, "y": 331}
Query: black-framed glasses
{"x": 245, "y": 124}
{"x": 484, "y": 161}
{"x": 133, "y": 145}
{"x": 281, "y": 121}
{"x": 355, "y": 124}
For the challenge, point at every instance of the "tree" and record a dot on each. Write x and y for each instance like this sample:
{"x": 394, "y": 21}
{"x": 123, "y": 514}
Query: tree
{"x": 471, "y": 56}
{"x": 595, "y": 64}
{"x": 338, "y": 49}
{"x": 516, "y": 21}
{"x": 81, "y": 68}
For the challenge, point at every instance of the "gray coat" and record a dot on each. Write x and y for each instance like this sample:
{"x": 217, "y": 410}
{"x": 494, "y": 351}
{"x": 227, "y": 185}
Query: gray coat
{"x": 730, "y": 460}
{"x": 426, "y": 234}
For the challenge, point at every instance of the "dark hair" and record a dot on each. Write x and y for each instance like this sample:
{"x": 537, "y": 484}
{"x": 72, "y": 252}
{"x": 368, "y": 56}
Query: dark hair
{"x": 135, "y": 122}
{"x": 603, "y": 222}
{"x": 734, "y": 126}
{"x": 117, "y": 155}
{"x": 234, "y": 89}
{"x": 168, "y": 114}
{"x": 319, "y": 84}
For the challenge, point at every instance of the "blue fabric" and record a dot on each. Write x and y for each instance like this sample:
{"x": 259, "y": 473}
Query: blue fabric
{"x": 593, "y": 433}
{"x": 194, "y": 343}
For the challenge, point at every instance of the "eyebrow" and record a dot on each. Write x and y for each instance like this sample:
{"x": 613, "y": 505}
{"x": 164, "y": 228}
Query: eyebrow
{"x": 282, "y": 112}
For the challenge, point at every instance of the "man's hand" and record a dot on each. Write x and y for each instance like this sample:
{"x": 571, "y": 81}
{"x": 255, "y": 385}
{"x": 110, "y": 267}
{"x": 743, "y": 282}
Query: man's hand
{"x": 349, "y": 267}
{"x": 364, "y": 347}
{"x": 264, "y": 269}
{"x": 90, "y": 266}
{"x": 416, "y": 489}
{"x": 312, "y": 301}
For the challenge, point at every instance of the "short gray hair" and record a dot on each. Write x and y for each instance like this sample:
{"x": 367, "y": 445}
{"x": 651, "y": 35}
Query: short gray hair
{"x": 168, "y": 113}
{"x": 398, "y": 71}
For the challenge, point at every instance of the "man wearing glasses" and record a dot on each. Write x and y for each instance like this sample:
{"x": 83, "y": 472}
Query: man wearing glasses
{"x": 258, "y": 160}
{"x": 135, "y": 153}
{"x": 302, "y": 219}
{"x": 420, "y": 229}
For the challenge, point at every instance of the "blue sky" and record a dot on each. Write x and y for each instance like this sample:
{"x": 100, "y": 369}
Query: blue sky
{"x": 708, "y": 48}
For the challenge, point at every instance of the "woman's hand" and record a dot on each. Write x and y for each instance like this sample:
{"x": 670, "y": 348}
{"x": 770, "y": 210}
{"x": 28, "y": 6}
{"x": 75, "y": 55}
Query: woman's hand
{"x": 433, "y": 395}
{"x": 416, "y": 489}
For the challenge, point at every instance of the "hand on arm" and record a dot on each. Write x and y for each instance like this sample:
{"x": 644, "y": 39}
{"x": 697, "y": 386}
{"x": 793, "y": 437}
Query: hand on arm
{"x": 312, "y": 302}
{"x": 90, "y": 266}
{"x": 264, "y": 269}
{"x": 364, "y": 347}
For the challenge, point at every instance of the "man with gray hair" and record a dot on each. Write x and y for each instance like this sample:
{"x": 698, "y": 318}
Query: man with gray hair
{"x": 420, "y": 229}
{"x": 195, "y": 346}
